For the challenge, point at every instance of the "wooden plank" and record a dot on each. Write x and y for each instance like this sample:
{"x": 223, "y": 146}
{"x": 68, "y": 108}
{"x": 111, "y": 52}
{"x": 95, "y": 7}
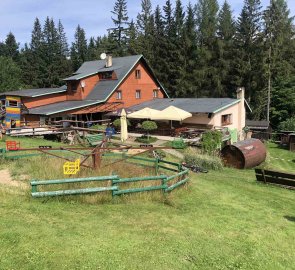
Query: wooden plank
{"x": 72, "y": 192}
{"x": 74, "y": 180}
{"x": 279, "y": 174}
{"x": 275, "y": 180}
{"x": 176, "y": 185}
{"x": 135, "y": 190}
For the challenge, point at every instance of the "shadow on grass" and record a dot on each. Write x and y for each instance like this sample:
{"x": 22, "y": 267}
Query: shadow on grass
{"x": 290, "y": 218}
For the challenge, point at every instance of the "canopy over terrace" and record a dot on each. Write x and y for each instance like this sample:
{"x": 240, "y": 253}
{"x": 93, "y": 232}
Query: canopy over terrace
{"x": 146, "y": 113}
{"x": 172, "y": 113}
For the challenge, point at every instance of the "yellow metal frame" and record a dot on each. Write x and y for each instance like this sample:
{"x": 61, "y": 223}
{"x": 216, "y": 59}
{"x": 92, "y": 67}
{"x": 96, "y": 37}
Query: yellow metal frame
{"x": 71, "y": 167}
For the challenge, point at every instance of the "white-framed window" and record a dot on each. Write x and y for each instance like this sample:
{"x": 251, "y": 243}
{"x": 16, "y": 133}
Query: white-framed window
{"x": 138, "y": 94}
{"x": 155, "y": 93}
{"x": 137, "y": 73}
{"x": 119, "y": 94}
{"x": 226, "y": 119}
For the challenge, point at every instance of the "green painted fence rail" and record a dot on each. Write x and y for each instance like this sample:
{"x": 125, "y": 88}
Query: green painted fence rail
{"x": 72, "y": 192}
{"x": 170, "y": 188}
{"x": 177, "y": 175}
{"x": 137, "y": 179}
{"x": 115, "y": 189}
{"x": 134, "y": 190}
{"x": 167, "y": 168}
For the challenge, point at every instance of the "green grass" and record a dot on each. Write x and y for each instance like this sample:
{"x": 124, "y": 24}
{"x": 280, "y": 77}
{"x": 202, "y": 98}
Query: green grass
{"x": 221, "y": 220}
{"x": 279, "y": 158}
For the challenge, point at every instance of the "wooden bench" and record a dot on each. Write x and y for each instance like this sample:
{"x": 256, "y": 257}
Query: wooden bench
{"x": 274, "y": 177}
{"x": 94, "y": 140}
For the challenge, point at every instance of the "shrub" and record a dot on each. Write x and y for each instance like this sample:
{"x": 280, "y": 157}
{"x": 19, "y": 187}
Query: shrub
{"x": 211, "y": 141}
{"x": 288, "y": 125}
{"x": 146, "y": 139}
{"x": 117, "y": 123}
{"x": 193, "y": 156}
{"x": 149, "y": 126}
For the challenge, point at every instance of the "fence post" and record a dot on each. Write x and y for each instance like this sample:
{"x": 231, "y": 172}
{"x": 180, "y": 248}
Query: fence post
{"x": 156, "y": 166}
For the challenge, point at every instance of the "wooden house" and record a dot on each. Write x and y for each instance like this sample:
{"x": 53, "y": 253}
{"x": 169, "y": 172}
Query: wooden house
{"x": 97, "y": 87}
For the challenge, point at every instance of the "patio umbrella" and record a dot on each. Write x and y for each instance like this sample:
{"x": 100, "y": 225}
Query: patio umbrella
{"x": 124, "y": 131}
{"x": 172, "y": 113}
{"x": 146, "y": 113}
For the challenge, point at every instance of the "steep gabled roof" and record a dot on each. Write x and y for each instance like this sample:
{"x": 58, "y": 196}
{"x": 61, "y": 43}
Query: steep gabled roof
{"x": 122, "y": 66}
{"x": 38, "y": 92}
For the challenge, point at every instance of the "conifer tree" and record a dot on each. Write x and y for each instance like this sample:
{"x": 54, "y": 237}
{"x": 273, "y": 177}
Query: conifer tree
{"x": 144, "y": 17}
{"x": 249, "y": 50}
{"x": 225, "y": 57}
{"x": 11, "y": 47}
{"x": 119, "y": 33}
{"x": 280, "y": 50}
{"x": 207, "y": 74}
{"x": 79, "y": 48}
{"x": 188, "y": 84}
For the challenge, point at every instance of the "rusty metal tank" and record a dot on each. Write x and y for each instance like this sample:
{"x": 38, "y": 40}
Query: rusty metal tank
{"x": 244, "y": 154}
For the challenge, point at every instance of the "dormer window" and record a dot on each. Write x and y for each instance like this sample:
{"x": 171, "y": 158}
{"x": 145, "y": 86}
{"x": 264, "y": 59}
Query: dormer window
{"x": 74, "y": 86}
{"x": 106, "y": 75}
{"x": 137, "y": 73}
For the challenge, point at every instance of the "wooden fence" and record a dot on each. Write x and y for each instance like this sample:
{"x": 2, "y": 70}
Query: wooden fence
{"x": 168, "y": 183}
{"x": 275, "y": 177}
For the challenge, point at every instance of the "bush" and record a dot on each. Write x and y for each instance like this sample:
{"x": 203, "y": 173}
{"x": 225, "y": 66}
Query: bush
{"x": 146, "y": 139}
{"x": 193, "y": 156}
{"x": 288, "y": 125}
{"x": 149, "y": 125}
{"x": 211, "y": 141}
{"x": 117, "y": 123}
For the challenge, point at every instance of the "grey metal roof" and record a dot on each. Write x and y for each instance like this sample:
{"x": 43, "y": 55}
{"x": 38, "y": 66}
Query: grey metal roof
{"x": 92, "y": 67}
{"x": 35, "y": 92}
{"x": 62, "y": 107}
{"x": 257, "y": 124}
{"x": 104, "y": 88}
{"x": 192, "y": 105}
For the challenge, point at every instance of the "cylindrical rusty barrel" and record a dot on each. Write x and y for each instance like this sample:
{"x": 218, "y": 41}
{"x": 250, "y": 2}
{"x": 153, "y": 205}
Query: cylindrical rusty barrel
{"x": 244, "y": 154}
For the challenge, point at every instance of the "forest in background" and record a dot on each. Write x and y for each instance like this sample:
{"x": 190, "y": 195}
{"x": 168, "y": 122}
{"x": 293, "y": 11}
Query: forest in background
{"x": 198, "y": 50}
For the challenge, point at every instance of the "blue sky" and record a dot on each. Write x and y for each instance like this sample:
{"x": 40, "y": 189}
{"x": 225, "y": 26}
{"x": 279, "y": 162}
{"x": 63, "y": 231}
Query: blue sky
{"x": 93, "y": 15}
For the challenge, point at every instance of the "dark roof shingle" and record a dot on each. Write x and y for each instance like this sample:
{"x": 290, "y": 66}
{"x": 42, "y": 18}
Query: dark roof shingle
{"x": 35, "y": 92}
{"x": 192, "y": 105}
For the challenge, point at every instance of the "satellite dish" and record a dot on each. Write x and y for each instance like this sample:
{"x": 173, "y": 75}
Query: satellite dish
{"x": 103, "y": 56}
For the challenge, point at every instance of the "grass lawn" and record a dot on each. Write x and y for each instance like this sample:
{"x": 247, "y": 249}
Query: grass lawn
{"x": 221, "y": 220}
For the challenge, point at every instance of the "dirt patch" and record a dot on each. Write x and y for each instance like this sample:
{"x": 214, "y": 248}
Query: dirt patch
{"x": 5, "y": 179}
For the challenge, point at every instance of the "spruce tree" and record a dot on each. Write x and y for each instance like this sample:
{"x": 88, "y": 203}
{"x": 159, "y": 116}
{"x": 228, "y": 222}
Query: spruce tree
{"x": 249, "y": 50}
{"x": 207, "y": 74}
{"x": 225, "y": 57}
{"x": 119, "y": 33}
{"x": 145, "y": 31}
{"x": 280, "y": 50}
{"x": 188, "y": 84}
{"x": 79, "y": 48}
{"x": 11, "y": 47}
